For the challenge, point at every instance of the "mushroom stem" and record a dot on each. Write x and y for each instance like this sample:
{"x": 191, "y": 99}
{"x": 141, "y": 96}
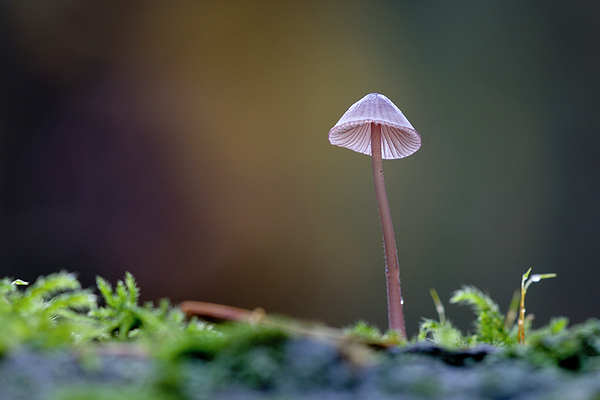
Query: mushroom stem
{"x": 392, "y": 270}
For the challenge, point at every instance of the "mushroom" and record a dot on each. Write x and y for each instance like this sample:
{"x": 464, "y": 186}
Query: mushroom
{"x": 376, "y": 127}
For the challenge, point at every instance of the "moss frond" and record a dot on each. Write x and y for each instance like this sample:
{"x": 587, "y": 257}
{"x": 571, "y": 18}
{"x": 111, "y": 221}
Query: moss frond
{"x": 489, "y": 325}
{"x": 363, "y": 330}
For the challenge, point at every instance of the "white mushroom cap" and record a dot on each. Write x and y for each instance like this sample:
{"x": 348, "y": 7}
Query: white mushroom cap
{"x": 353, "y": 131}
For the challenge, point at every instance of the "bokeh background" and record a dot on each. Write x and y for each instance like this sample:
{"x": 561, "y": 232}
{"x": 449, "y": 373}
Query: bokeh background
{"x": 186, "y": 142}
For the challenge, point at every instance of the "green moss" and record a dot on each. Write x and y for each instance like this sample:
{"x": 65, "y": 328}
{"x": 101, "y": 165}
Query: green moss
{"x": 46, "y": 314}
{"x": 489, "y": 325}
{"x": 102, "y": 392}
{"x": 181, "y": 358}
{"x": 442, "y": 334}
{"x": 56, "y": 311}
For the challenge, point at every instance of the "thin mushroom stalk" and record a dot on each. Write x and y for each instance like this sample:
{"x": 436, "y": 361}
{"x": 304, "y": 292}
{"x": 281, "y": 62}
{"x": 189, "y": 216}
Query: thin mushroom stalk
{"x": 392, "y": 269}
{"x": 376, "y": 127}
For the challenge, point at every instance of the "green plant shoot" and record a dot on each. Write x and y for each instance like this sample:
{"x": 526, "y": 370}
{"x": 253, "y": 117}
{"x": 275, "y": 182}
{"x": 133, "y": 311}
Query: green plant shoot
{"x": 525, "y": 283}
{"x": 439, "y": 306}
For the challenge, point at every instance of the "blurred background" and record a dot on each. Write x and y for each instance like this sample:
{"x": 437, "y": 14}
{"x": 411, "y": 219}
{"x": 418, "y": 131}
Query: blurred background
{"x": 186, "y": 142}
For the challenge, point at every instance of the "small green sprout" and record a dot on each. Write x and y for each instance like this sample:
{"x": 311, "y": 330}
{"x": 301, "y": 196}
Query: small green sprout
{"x": 525, "y": 283}
{"x": 368, "y": 333}
{"x": 441, "y": 333}
{"x": 439, "y": 307}
{"x": 363, "y": 330}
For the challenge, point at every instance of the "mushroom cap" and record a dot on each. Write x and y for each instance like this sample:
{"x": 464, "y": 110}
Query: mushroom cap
{"x": 353, "y": 131}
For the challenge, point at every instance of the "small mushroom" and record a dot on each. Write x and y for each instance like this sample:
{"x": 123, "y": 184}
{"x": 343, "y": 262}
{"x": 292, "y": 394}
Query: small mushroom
{"x": 376, "y": 127}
